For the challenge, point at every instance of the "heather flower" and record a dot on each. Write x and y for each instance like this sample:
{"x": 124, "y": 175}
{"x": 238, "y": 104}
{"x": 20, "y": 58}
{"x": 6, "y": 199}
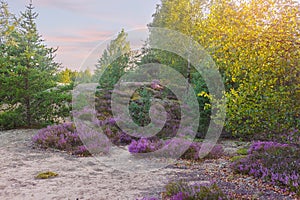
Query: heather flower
{"x": 257, "y": 146}
{"x": 190, "y": 150}
{"x": 173, "y": 148}
{"x": 66, "y": 137}
{"x": 179, "y": 196}
{"x": 216, "y": 152}
{"x": 183, "y": 191}
{"x": 276, "y": 162}
{"x": 82, "y": 150}
{"x": 125, "y": 138}
{"x": 144, "y": 145}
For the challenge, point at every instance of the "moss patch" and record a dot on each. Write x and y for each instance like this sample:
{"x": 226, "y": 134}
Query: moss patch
{"x": 46, "y": 175}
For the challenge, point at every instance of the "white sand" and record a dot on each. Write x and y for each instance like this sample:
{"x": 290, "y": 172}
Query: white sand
{"x": 79, "y": 178}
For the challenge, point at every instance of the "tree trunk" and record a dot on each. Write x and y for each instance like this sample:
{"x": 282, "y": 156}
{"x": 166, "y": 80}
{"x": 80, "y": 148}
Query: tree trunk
{"x": 27, "y": 102}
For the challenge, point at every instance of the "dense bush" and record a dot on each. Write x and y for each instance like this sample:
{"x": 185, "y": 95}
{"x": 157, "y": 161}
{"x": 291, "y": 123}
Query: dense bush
{"x": 66, "y": 137}
{"x": 259, "y": 66}
{"x": 116, "y": 136}
{"x": 11, "y": 119}
{"x": 139, "y": 107}
{"x": 275, "y": 162}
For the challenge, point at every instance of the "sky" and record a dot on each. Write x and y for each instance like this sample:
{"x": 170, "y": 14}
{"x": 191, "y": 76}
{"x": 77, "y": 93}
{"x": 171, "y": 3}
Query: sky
{"x": 76, "y": 27}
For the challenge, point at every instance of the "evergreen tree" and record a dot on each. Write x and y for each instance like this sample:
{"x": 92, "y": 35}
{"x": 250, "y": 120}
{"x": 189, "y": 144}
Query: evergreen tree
{"x": 7, "y": 23}
{"x": 8, "y": 78}
{"x": 37, "y": 62}
{"x": 115, "y": 60}
{"x": 27, "y": 76}
{"x": 84, "y": 76}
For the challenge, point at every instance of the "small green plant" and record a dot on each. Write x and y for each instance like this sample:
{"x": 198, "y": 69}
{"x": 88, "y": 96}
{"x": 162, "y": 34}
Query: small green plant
{"x": 243, "y": 151}
{"x": 236, "y": 158}
{"x": 173, "y": 188}
{"x": 46, "y": 175}
{"x": 198, "y": 140}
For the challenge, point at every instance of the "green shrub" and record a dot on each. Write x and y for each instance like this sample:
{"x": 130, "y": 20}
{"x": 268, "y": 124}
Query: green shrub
{"x": 243, "y": 151}
{"x": 11, "y": 119}
{"x": 236, "y": 158}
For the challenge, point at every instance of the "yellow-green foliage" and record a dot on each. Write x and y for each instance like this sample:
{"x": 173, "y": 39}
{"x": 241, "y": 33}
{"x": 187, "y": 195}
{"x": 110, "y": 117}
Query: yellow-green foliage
{"x": 256, "y": 45}
{"x": 46, "y": 175}
{"x": 235, "y": 158}
{"x": 243, "y": 151}
{"x": 258, "y": 49}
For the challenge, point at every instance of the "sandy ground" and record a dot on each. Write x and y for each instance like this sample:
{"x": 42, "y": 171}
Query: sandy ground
{"x": 89, "y": 178}
{"x": 79, "y": 178}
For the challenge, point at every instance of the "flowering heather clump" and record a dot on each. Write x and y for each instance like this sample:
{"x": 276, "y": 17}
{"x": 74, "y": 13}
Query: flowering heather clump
{"x": 183, "y": 191}
{"x": 82, "y": 150}
{"x": 144, "y": 145}
{"x": 58, "y": 136}
{"x": 125, "y": 138}
{"x": 275, "y": 162}
{"x": 216, "y": 152}
{"x": 117, "y": 137}
{"x": 179, "y": 196}
{"x": 105, "y": 121}
{"x": 192, "y": 153}
{"x": 94, "y": 141}
{"x": 263, "y": 146}
{"x": 66, "y": 137}
{"x": 85, "y": 113}
{"x": 174, "y": 148}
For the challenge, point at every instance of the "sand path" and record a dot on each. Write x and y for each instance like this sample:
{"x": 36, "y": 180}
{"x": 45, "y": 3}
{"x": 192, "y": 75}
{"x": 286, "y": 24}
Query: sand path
{"x": 79, "y": 178}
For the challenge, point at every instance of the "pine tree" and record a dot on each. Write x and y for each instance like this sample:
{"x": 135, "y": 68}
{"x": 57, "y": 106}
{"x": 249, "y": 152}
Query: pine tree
{"x": 8, "y": 77}
{"x": 114, "y": 61}
{"x": 37, "y": 62}
{"x": 28, "y": 74}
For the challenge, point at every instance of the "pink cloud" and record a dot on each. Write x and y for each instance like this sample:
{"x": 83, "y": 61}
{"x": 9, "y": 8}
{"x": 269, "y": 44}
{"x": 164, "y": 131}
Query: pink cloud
{"x": 74, "y": 48}
{"x": 71, "y": 5}
{"x": 85, "y": 36}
